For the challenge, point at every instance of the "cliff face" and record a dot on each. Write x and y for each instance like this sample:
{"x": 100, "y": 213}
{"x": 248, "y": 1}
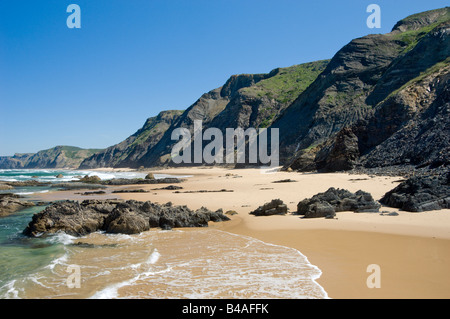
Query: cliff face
{"x": 57, "y": 157}
{"x": 405, "y": 92}
{"x": 245, "y": 100}
{"x": 14, "y": 162}
{"x": 416, "y": 129}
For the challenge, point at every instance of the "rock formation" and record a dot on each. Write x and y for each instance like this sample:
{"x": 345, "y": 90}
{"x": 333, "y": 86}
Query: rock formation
{"x": 114, "y": 216}
{"x": 336, "y": 200}
{"x": 418, "y": 194}
{"x": 382, "y": 101}
{"x": 274, "y": 207}
{"x": 11, "y": 203}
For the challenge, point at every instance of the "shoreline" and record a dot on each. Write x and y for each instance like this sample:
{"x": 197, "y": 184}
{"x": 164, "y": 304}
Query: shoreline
{"x": 412, "y": 249}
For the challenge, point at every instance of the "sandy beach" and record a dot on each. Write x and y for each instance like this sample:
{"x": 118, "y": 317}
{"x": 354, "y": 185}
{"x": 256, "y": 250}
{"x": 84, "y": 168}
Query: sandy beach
{"x": 411, "y": 249}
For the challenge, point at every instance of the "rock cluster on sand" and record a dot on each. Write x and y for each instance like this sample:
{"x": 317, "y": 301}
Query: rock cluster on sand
{"x": 422, "y": 193}
{"x": 336, "y": 200}
{"x": 275, "y": 207}
{"x": 130, "y": 191}
{"x": 170, "y": 187}
{"x": 115, "y": 216}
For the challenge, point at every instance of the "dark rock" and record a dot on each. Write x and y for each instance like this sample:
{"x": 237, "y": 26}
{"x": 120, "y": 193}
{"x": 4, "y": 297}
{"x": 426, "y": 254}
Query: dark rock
{"x": 336, "y": 200}
{"x": 341, "y": 155}
{"x": 123, "y": 220}
{"x": 315, "y": 209}
{"x": 115, "y": 216}
{"x": 150, "y": 176}
{"x": 386, "y": 213}
{"x": 206, "y": 191}
{"x": 275, "y": 207}
{"x": 93, "y": 193}
{"x": 130, "y": 191}
{"x": 285, "y": 181}
{"x": 170, "y": 187}
{"x": 59, "y": 176}
{"x": 303, "y": 161}
{"x": 418, "y": 194}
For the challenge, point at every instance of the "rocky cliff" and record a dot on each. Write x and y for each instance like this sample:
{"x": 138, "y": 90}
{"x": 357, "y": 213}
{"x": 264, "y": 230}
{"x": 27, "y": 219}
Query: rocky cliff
{"x": 402, "y": 115}
{"x": 56, "y": 157}
{"x": 245, "y": 100}
{"x": 376, "y": 92}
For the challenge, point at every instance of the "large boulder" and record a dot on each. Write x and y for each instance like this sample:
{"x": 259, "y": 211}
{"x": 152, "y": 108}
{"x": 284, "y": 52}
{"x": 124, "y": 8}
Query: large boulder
{"x": 337, "y": 200}
{"x": 122, "y": 220}
{"x": 274, "y": 207}
{"x": 316, "y": 209}
{"x": 418, "y": 194}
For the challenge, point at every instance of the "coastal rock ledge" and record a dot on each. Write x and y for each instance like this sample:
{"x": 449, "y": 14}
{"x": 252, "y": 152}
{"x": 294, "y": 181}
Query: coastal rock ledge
{"x": 115, "y": 216}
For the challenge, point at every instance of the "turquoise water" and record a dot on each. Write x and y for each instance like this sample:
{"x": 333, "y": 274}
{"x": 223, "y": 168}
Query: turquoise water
{"x": 194, "y": 263}
{"x": 49, "y": 175}
{"x": 21, "y": 256}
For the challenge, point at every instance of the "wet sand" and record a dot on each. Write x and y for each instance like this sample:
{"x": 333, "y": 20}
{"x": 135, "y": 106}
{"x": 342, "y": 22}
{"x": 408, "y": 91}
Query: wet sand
{"x": 411, "y": 249}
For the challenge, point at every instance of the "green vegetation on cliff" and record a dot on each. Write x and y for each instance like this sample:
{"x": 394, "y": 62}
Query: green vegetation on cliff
{"x": 286, "y": 84}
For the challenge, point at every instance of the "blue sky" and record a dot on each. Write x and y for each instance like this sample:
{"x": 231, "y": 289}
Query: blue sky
{"x": 93, "y": 87}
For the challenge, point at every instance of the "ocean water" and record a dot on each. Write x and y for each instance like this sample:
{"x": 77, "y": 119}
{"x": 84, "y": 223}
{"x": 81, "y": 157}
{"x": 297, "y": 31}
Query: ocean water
{"x": 49, "y": 176}
{"x": 182, "y": 263}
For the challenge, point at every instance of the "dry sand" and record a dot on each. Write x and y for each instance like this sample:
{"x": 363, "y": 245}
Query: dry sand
{"x": 412, "y": 249}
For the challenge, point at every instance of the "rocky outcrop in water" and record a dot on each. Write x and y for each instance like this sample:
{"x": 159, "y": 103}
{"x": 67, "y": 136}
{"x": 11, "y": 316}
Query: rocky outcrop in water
{"x": 11, "y": 203}
{"x": 114, "y": 216}
{"x": 337, "y": 200}
{"x": 418, "y": 194}
{"x": 4, "y": 187}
